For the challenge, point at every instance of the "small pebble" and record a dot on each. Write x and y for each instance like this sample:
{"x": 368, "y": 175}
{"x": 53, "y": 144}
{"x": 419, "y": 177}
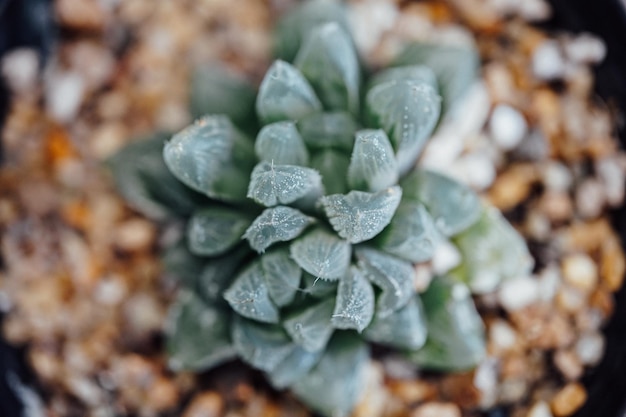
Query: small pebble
{"x": 585, "y": 49}
{"x": 206, "y": 404}
{"x": 445, "y": 258}
{"x": 556, "y": 176}
{"x": 590, "y": 198}
{"x": 580, "y": 271}
{"x": 568, "y": 363}
{"x": 64, "y": 95}
{"x": 568, "y": 400}
{"x": 547, "y": 61}
{"x": 540, "y": 409}
{"x": 134, "y": 235}
{"x": 518, "y": 293}
{"x": 501, "y": 335}
{"x": 20, "y": 68}
{"x": 590, "y": 348}
{"x": 507, "y": 127}
{"x": 437, "y": 410}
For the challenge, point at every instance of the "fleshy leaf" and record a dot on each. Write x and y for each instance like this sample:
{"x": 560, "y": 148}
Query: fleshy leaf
{"x": 354, "y": 307}
{"x": 322, "y": 254}
{"x": 328, "y": 130}
{"x": 211, "y": 157}
{"x": 282, "y": 276}
{"x": 359, "y": 216}
{"x": 281, "y": 144}
{"x": 317, "y": 287}
{"x": 285, "y": 94}
{"x": 180, "y": 263}
{"x": 456, "y": 67}
{"x": 335, "y": 385}
{"x": 492, "y": 251}
{"x": 408, "y": 110}
{"x": 332, "y": 165}
{"x": 394, "y": 276}
{"x": 282, "y": 184}
{"x": 294, "y": 367}
{"x": 248, "y": 295}
{"x": 411, "y": 235}
{"x": 197, "y": 334}
{"x": 456, "y": 334}
{"x": 403, "y": 329}
{"x": 419, "y": 73}
{"x": 453, "y": 206}
{"x": 218, "y": 274}
{"x": 213, "y": 231}
{"x": 141, "y": 176}
{"x": 293, "y": 28}
{"x": 373, "y": 165}
{"x": 217, "y": 90}
{"x": 330, "y": 63}
{"x": 263, "y": 346}
{"x": 311, "y": 328}
{"x": 276, "y": 224}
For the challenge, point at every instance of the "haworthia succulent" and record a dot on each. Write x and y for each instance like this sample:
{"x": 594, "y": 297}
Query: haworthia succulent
{"x": 272, "y": 184}
{"x": 403, "y": 329}
{"x": 332, "y": 164}
{"x": 311, "y": 328}
{"x": 280, "y": 143}
{"x": 328, "y": 130}
{"x": 213, "y": 231}
{"x": 276, "y": 224}
{"x": 282, "y": 276}
{"x": 249, "y": 296}
{"x": 373, "y": 165}
{"x": 294, "y": 367}
{"x": 322, "y": 254}
{"x": 263, "y": 346}
{"x": 419, "y": 73}
{"x": 354, "y": 307}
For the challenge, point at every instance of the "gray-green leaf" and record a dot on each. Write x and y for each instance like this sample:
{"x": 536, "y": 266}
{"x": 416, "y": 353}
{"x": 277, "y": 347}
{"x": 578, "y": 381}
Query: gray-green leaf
{"x": 276, "y": 224}
{"x": 359, "y": 216}
{"x": 373, "y": 165}
{"x": 213, "y": 231}
{"x": 218, "y": 274}
{"x": 332, "y": 165}
{"x": 335, "y": 385}
{"x": 211, "y": 157}
{"x": 403, "y": 329}
{"x": 317, "y": 287}
{"x": 285, "y": 94}
{"x": 249, "y": 296}
{"x": 322, "y": 254}
{"x": 282, "y": 276}
{"x": 263, "y": 346}
{"x": 294, "y": 367}
{"x": 456, "y": 334}
{"x": 328, "y": 130}
{"x": 419, "y": 73}
{"x": 281, "y": 143}
{"x": 396, "y": 277}
{"x": 408, "y": 110}
{"x": 330, "y": 63}
{"x": 272, "y": 184}
{"x": 411, "y": 235}
{"x": 197, "y": 334}
{"x": 453, "y": 206}
{"x": 311, "y": 328}
{"x": 354, "y": 307}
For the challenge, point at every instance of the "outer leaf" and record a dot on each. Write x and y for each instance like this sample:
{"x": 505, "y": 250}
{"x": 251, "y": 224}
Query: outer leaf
{"x": 276, "y": 224}
{"x": 328, "y": 130}
{"x": 337, "y": 382}
{"x": 211, "y": 157}
{"x": 492, "y": 251}
{"x": 394, "y": 276}
{"x": 248, "y": 295}
{"x": 359, "y": 216}
{"x": 282, "y": 276}
{"x": 311, "y": 328}
{"x": 317, "y": 287}
{"x": 182, "y": 264}
{"x": 218, "y": 274}
{"x": 141, "y": 176}
{"x": 197, "y": 334}
{"x": 293, "y": 28}
{"x": 322, "y": 254}
{"x": 294, "y": 367}
{"x": 282, "y": 184}
{"x": 420, "y": 73}
{"x": 261, "y": 345}
{"x": 285, "y": 94}
{"x": 213, "y": 231}
{"x": 281, "y": 143}
{"x": 456, "y": 67}
{"x": 218, "y": 90}
{"x": 354, "y": 307}
{"x": 403, "y": 329}
{"x": 456, "y": 339}
{"x": 329, "y": 61}
{"x": 408, "y": 111}
{"x": 453, "y": 206}
{"x": 333, "y": 167}
{"x": 412, "y": 234}
{"x": 373, "y": 166}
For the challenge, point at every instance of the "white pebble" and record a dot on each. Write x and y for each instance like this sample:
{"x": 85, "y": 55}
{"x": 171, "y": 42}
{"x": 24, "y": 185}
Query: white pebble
{"x": 20, "y": 68}
{"x": 585, "y": 49}
{"x": 502, "y": 335}
{"x": 547, "y": 61}
{"x": 369, "y": 20}
{"x": 475, "y": 169}
{"x": 590, "y": 198}
{"x": 518, "y": 293}
{"x": 534, "y": 10}
{"x": 612, "y": 176}
{"x": 64, "y": 95}
{"x": 590, "y": 348}
{"x": 486, "y": 380}
{"x": 507, "y": 127}
{"x": 445, "y": 258}
{"x": 580, "y": 271}
{"x": 540, "y": 409}
{"x": 549, "y": 281}
{"x": 556, "y": 176}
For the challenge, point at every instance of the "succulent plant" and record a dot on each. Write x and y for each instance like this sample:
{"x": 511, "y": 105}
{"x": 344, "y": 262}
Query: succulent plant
{"x": 301, "y": 242}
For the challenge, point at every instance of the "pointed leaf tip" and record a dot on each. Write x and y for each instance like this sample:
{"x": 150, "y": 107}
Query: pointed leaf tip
{"x": 354, "y": 307}
{"x": 276, "y": 224}
{"x": 373, "y": 165}
{"x": 272, "y": 184}
{"x": 322, "y": 254}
